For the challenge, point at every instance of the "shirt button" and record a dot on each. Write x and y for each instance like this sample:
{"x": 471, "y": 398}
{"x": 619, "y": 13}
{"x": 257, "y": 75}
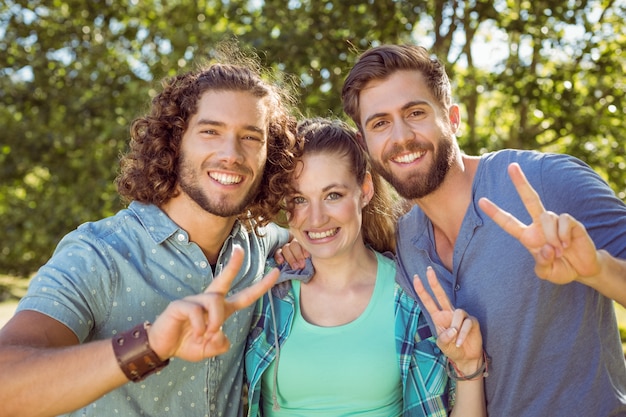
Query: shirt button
{"x": 203, "y": 264}
{"x": 180, "y": 237}
{"x": 457, "y": 287}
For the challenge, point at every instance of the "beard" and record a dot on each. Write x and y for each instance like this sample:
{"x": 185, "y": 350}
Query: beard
{"x": 217, "y": 204}
{"x": 418, "y": 185}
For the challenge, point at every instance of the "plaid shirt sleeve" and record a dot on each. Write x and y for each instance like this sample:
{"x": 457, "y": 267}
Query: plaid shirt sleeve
{"x": 427, "y": 390}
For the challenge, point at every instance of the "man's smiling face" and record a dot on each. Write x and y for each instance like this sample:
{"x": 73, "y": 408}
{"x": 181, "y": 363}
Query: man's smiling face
{"x": 409, "y": 137}
{"x": 223, "y": 151}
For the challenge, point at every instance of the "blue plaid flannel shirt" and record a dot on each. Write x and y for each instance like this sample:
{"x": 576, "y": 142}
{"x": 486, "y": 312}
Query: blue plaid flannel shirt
{"x": 427, "y": 390}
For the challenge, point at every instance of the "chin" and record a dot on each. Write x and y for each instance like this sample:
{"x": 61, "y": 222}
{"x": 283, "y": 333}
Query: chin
{"x": 325, "y": 253}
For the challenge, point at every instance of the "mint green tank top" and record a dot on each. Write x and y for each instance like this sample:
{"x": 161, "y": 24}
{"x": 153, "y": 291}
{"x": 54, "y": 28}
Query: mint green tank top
{"x": 345, "y": 370}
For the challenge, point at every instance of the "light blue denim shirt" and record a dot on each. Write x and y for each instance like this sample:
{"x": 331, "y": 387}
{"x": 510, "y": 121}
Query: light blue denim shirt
{"x": 107, "y": 276}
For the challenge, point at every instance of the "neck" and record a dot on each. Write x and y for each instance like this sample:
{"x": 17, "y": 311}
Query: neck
{"x": 347, "y": 269}
{"x": 446, "y": 207}
{"x": 340, "y": 289}
{"x": 206, "y": 230}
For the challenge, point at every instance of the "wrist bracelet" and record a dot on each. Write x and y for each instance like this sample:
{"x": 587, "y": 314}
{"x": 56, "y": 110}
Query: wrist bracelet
{"x": 134, "y": 354}
{"x": 455, "y": 374}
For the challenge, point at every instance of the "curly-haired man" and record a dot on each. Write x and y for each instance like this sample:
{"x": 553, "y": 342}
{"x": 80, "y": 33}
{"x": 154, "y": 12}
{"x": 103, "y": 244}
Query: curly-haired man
{"x": 200, "y": 177}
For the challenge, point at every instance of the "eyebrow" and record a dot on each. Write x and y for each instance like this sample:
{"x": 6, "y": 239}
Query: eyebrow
{"x": 328, "y": 187}
{"x": 334, "y": 185}
{"x": 406, "y": 106}
{"x": 251, "y": 128}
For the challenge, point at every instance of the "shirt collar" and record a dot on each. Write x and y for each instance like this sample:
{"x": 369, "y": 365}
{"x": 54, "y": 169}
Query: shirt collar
{"x": 159, "y": 226}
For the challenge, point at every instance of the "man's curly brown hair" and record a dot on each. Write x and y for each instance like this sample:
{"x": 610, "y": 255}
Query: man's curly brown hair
{"x": 149, "y": 170}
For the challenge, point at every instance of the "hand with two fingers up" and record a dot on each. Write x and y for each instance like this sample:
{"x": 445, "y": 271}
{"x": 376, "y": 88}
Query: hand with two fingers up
{"x": 459, "y": 338}
{"x": 560, "y": 245}
{"x": 191, "y": 328}
{"x": 458, "y": 333}
{"x": 562, "y": 248}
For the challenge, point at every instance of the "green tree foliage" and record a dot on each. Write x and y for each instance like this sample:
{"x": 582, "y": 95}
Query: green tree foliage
{"x": 74, "y": 74}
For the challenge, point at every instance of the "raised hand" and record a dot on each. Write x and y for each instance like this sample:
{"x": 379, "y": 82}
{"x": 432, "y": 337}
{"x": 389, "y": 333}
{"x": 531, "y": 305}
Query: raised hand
{"x": 562, "y": 248}
{"x": 191, "y": 328}
{"x": 458, "y": 334}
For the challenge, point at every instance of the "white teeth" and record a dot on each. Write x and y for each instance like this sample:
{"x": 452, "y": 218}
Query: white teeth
{"x": 408, "y": 158}
{"x": 322, "y": 235}
{"x": 226, "y": 179}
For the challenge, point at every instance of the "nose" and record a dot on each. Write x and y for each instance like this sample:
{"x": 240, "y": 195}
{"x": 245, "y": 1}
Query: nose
{"x": 401, "y": 131}
{"x": 231, "y": 150}
{"x": 316, "y": 215}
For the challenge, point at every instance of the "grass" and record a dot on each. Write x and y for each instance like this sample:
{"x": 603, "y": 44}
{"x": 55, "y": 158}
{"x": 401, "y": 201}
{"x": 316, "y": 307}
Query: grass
{"x": 11, "y": 288}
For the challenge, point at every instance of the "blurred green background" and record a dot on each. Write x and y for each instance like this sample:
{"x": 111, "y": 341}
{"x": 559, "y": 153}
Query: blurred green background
{"x": 75, "y": 73}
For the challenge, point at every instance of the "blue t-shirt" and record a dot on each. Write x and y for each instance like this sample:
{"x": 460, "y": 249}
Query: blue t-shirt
{"x": 555, "y": 348}
{"x": 107, "y": 276}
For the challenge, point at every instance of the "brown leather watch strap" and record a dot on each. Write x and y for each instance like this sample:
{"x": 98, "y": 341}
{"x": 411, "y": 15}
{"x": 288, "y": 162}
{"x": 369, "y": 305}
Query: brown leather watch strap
{"x": 134, "y": 355}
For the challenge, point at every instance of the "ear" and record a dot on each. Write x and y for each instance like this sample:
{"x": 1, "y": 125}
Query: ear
{"x": 367, "y": 189}
{"x": 454, "y": 115}
{"x": 361, "y": 140}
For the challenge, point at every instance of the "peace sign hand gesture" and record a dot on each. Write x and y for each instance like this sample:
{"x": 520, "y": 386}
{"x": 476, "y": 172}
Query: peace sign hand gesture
{"x": 458, "y": 334}
{"x": 562, "y": 248}
{"x": 191, "y": 328}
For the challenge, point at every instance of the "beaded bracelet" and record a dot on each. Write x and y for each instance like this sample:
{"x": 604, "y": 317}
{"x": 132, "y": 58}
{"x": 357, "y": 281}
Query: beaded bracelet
{"x": 455, "y": 373}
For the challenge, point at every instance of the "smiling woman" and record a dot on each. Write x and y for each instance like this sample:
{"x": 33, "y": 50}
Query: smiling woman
{"x": 308, "y": 333}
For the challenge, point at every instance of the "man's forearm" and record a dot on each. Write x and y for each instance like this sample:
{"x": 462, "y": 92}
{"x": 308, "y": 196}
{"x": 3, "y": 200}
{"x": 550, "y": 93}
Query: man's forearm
{"x": 52, "y": 381}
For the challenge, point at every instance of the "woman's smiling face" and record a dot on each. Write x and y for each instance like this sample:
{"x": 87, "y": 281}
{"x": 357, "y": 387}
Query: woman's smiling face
{"x": 327, "y": 205}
